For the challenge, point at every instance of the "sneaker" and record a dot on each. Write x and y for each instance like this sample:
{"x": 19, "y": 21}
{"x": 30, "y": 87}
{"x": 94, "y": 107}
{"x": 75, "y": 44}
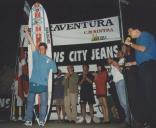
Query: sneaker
{"x": 19, "y": 118}
{"x": 80, "y": 120}
{"x": 41, "y": 124}
{"x": 88, "y": 119}
{"x": 146, "y": 125}
{"x": 28, "y": 123}
{"x": 96, "y": 120}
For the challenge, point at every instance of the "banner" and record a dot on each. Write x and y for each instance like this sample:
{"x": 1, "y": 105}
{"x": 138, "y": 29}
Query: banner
{"x": 86, "y": 42}
{"x": 93, "y": 31}
{"x": 6, "y": 81}
{"x": 86, "y": 53}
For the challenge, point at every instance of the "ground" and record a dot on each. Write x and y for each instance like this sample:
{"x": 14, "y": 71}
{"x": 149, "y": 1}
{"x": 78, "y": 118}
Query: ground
{"x": 52, "y": 124}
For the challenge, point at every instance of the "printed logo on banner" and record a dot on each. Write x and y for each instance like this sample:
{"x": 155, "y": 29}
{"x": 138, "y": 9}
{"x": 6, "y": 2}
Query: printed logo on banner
{"x": 93, "y": 31}
{"x": 86, "y": 53}
{"x": 4, "y": 103}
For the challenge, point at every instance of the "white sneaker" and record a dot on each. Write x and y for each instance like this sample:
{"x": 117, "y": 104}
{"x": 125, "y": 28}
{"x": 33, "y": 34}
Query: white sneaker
{"x": 96, "y": 119}
{"x": 19, "y": 118}
{"x": 41, "y": 124}
{"x": 88, "y": 119}
{"x": 28, "y": 123}
{"x": 80, "y": 120}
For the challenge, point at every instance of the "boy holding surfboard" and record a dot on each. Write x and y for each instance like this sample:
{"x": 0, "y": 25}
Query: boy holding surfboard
{"x": 42, "y": 64}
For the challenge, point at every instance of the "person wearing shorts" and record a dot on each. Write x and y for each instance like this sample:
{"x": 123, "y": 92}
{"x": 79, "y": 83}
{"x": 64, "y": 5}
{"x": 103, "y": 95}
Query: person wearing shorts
{"x": 86, "y": 92}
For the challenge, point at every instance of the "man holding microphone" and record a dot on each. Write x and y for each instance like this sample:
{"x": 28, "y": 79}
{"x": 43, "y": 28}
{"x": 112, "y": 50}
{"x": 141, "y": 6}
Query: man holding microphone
{"x": 145, "y": 55}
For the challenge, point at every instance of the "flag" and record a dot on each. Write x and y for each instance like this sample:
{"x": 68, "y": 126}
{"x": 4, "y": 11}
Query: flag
{"x": 126, "y": 2}
{"x": 26, "y": 8}
{"x": 26, "y": 11}
{"x": 22, "y": 64}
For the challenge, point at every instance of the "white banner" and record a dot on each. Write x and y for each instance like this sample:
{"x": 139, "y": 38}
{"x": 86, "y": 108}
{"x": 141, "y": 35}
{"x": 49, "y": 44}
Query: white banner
{"x": 100, "y": 30}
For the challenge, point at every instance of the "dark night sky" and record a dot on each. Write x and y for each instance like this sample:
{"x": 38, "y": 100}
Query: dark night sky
{"x": 59, "y": 11}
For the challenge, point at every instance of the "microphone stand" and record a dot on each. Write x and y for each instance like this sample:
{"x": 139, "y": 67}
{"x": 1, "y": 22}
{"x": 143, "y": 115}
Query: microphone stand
{"x": 131, "y": 119}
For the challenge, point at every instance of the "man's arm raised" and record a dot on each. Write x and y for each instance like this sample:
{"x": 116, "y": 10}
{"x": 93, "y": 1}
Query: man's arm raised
{"x": 30, "y": 40}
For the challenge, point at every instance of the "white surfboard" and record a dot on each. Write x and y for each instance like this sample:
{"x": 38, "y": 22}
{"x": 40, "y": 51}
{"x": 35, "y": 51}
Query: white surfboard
{"x": 40, "y": 32}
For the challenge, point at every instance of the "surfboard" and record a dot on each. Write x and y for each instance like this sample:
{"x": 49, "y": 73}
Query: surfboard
{"x": 40, "y": 32}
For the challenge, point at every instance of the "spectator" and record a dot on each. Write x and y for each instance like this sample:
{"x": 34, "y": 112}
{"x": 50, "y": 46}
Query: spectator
{"x": 58, "y": 97}
{"x": 118, "y": 78}
{"x": 101, "y": 90}
{"x": 70, "y": 93}
{"x": 86, "y": 94}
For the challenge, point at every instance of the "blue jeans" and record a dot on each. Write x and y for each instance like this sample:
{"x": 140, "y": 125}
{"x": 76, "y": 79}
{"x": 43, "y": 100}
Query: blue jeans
{"x": 121, "y": 91}
{"x": 30, "y": 106}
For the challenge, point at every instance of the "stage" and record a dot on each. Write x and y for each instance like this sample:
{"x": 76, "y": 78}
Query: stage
{"x": 54, "y": 124}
